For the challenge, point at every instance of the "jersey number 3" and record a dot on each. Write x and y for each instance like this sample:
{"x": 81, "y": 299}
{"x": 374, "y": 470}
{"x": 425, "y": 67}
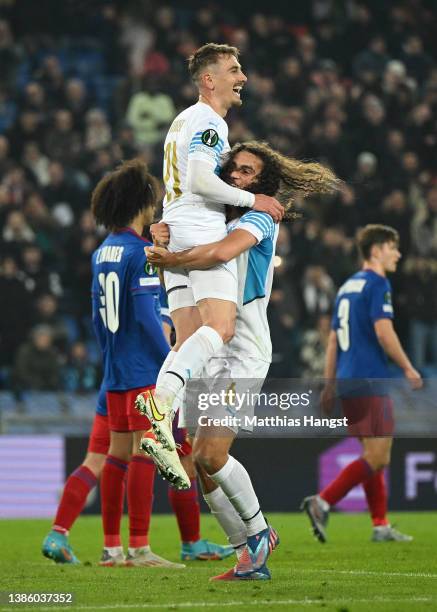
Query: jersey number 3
{"x": 343, "y": 330}
{"x": 109, "y": 300}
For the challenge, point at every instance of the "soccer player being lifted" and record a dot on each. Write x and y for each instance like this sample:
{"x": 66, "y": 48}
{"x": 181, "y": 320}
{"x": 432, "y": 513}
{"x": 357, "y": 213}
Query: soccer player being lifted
{"x": 244, "y": 361}
{"x": 361, "y": 338}
{"x": 203, "y": 303}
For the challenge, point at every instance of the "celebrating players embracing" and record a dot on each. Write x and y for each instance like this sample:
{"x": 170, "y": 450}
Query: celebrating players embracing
{"x": 244, "y": 361}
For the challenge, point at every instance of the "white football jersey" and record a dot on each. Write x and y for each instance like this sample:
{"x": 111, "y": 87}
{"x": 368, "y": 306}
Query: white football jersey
{"x": 198, "y": 133}
{"x": 255, "y": 277}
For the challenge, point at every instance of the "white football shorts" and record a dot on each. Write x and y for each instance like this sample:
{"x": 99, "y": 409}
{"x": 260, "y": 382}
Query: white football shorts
{"x": 187, "y": 287}
{"x": 241, "y": 378}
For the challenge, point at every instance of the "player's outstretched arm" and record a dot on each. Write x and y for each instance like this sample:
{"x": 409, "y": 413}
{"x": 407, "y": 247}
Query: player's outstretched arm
{"x": 203, "y": 181}
{"x": 392, "y": 346}
{"x": 204, "y": 256}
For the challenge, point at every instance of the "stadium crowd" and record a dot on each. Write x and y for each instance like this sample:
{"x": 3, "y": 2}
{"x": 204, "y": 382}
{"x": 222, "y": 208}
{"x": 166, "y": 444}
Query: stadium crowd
{"x": 354, "y": 88}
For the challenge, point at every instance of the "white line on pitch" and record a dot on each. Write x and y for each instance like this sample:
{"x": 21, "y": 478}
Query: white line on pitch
{"x": 221, "y": 604}
{"x": 367, "y": 573}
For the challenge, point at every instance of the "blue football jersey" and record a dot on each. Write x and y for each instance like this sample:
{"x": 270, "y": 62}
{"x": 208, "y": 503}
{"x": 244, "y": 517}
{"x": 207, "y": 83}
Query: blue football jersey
{"x": 363, "y": 299}
{"x": 126, "y": 300}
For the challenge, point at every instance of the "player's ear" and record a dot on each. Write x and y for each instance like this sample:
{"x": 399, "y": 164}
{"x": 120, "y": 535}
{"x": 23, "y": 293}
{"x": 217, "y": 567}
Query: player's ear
{"x": 207, "y": 80}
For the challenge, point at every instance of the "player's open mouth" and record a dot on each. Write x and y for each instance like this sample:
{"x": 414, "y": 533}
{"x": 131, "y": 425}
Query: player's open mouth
{"x": 237, "y": 90}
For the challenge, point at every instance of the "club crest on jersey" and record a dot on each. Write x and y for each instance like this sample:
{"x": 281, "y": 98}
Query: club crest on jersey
{"x": 210, "y": 138}
{"x": 150, "y": 269}
{"x": 387, "y": 297}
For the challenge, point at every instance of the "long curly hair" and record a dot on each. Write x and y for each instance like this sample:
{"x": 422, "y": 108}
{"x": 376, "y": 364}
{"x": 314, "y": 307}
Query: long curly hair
{"x": 284, "y": 177}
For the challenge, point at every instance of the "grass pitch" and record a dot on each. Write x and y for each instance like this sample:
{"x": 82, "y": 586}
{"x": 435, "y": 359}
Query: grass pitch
{"x": 349, "y": 573}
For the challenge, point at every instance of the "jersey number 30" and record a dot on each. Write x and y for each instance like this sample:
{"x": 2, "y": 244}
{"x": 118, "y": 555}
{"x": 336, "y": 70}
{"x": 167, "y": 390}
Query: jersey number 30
{"x": 109, "y": 300}
{"x": 343, "y": 330}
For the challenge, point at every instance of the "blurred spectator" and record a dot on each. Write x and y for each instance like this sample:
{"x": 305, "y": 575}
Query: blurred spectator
{"x": 331, "y": 147}
{"x": 417, "y": 61}
{"x": 28, "y": 129}
{"x": 150, "y": 112}
{"x": 34, "y": 100}
{"x": 10, "y": 55}
{"x": 16, "y": 233}
{"x": 318, "y": 291}
{"x": 343, "y": 212}
{"x": 62, "y": 141}
{"x": 76, "y": 102}
{"x": 395, "y": 212}
{"x": 313, "y": 348}
{"x": 5, "y": 161}
{"x": 43, "y": 224}
{"x": 8, "y": 111}
{"x": 421, "y": 275}
{"x": 61, "y": 190}
{"x": 424, "y": 226}
{"x": 38, "y": 163}
{"x": 79, "y": 374}
{"x": 373, "y": 59}
{"x": 98, "y": 130}
{"x": 51, "y": 77}
{"x": 37, "y": 366}
{"x": 336, "y": 253}
{"x": 15, "y": 310}
{"x": 38, "y": 279}
{"x": 47, "y": 314}
{"x": 368, "y": 186}
{"x": 372, "y": 131}
{"x": 291, "y": 82}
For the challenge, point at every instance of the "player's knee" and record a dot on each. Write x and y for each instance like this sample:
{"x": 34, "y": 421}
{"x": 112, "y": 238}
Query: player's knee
{"x": 207, "y": 458}
{"x": 378, "y": 461}
{"x": 95, "y": 463}
{"x": 123, "y": 455}
{"x": 225, "y": 328}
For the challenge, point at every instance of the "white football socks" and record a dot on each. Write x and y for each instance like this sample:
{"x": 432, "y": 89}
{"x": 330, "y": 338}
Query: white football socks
{"x": 165, "y": 366}
{"x": 237, "y": 486}
{"x": 227, "y": 517}
{"x": 188, "y": 361}
{"x": 139, "y": 550}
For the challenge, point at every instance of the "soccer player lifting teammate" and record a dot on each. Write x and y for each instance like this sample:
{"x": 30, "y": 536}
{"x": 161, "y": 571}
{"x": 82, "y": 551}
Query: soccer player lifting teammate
{"x": 362, "y": 337}
{"x": 202, "y": 303}
{"x": 244, "y": 361}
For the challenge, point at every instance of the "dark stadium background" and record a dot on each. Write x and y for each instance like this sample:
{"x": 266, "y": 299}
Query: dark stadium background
{"x": 353, "y": 84}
